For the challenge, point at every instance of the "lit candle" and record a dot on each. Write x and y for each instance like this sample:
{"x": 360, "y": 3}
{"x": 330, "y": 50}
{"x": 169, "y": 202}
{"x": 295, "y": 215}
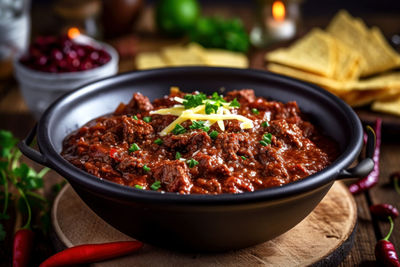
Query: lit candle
{"x": 279, "y": 26}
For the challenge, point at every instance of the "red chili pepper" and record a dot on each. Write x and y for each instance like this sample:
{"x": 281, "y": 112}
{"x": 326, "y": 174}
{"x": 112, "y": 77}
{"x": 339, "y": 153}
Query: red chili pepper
{"x": 112, "y": 153}
{"x": 385, "y": 252}
{"x": 395, "y": 180}
{"x": 91, "y": 253}
{"x": 372, "y": 179}
{"x": 383, "y": 211}
{"x": 23, "y": 240}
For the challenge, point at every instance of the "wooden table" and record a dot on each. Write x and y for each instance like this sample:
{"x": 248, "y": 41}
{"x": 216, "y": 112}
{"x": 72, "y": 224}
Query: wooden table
{"x": 14, "y": 116}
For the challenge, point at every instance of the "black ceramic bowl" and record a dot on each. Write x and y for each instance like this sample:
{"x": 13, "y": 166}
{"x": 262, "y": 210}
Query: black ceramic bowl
{"x": 199, "y": 222}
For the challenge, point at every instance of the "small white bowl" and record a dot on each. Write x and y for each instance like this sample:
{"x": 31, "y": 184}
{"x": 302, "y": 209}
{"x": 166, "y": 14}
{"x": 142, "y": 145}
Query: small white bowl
{"x": 40, "y": 89}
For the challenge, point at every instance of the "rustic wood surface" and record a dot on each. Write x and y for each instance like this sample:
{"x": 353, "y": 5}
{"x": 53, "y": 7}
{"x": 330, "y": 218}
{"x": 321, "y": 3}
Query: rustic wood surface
{"x": 14, "y": 116}
{"x": 318, "y": 236}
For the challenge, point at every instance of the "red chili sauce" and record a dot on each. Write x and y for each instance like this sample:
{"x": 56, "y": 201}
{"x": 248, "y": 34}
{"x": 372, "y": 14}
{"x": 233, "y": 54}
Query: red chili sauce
{"x": 234, "y": 161}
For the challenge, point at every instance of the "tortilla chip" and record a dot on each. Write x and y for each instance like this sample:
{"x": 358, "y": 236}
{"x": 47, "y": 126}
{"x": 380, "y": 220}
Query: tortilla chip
{"x": 181, "y": 56}
{"x": 149, "y": 60}
{"x": 347, "y": 63}
{"x": 313, "y": 53}
{"x": 327, "y": 83}
{"x": 362, "y": 98}
{"x": 389, "y": 80}
{"x": 391, "y": 106}
{"x": 222, "y": 58}
{"x": 371, "y": 45}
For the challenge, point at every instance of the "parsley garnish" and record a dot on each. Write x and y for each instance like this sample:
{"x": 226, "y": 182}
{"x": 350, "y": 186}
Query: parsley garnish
{"x": 192, "y": 163}
{"x": 199, "y": 125}
{"x": 266, "y": 139}
{"x": 192, "y": 101}
{"x": 265, "y": 124}
{"x": 213, "y": 134}
{"x": 211, "y": 108}
{"x": 243, "y": 157}
{"x": 147, "y": 119}
{"x": 158, "y": 141}
{"x": 135, "y": 117}
{"x": 179, "y": 129}
{"x": 215, "y": 96}
{"x": 145, "y": 168}
{"x": 178, "y": 155}
{"x": 134, "y": 147}
{"x": 235, "y": 103}
{"x": 156, "y": 185}
{"x": 138, "y": 186}
{"x": 22, "y": 181}
{"x": 255, "y": 111}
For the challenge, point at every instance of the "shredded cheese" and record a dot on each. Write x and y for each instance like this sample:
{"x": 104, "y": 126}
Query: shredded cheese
{"x": 198, "y": 113}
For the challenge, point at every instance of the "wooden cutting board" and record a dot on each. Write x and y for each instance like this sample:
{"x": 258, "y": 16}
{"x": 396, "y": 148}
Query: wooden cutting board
{"x": 324, "y": 238}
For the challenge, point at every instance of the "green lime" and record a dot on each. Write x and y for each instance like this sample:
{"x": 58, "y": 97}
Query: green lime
{"x": 176, "y": 17}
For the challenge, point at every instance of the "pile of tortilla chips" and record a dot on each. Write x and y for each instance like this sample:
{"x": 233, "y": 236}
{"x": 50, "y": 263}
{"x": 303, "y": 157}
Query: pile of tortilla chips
{"x": 348, "y": 59}
{"x": 191, "y": 55}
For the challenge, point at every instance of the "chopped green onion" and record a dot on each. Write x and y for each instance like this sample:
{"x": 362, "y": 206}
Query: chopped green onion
{"x": 156, "y": 185}
{"x": 199, "y": 125}
{"x": 134, "y": 147}
{"x": 192, "y": 101}
{"x": 215, "y": 96}
{"x": 179, "y": 129}
{"x": 135, "y": 117}
{"x": 158, "y": 141}
{"x": 178, "y": 155}
{"x": 266, "y": 139}
{"x": 145, "y": 168}
{"x": 234, "y": 103}
{"x": 138, "y": 186}
{"x": 243, "y": 157}
{"x": 147, "y": 119}
{"x": 213, "y": 134}
{"x": 255, "y": 111}
{"x": 211, "y": 108}
{"x": 192, "y": 163}
{"x": 265, "y": 124}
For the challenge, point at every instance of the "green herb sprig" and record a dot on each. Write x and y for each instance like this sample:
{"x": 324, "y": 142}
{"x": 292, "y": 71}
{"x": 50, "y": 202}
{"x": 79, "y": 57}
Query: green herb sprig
{"x": 25, "y": 180}
{"x": 199, "y": 125}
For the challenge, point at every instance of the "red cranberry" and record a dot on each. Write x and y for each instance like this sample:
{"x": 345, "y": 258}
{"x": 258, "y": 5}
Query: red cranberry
{"x": 51, "y": 54}
{"x": 57, "y": 54}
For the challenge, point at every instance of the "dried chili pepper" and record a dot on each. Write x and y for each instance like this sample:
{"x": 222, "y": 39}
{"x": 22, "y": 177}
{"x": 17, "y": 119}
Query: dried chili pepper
{"x": 23, "y": 240}
{"x": 372, "y": 179}
{"x": 91, "y": 253}
{"x": 383, "y": 211}
{"x": 385, "y": 252}
{"x": 395, "y": 180}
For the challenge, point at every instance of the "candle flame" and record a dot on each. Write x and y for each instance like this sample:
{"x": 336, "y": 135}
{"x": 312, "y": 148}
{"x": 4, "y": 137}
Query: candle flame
{"x": 73, "y": 32}
{"x": 278, "y": 10}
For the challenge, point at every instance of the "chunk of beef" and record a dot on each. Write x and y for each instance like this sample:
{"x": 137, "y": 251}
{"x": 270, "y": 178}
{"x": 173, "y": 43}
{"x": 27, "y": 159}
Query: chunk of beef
{"x": 243, "y": 96}
{"x": 189, "y": 142}
{"x": 229, "y": 144}
{"x": 211, "y": 165}
{"x": 290, "y": 133}
{"x": 135, "y": 129}
{"x": 138, "y": 103}
{"x": 174, "y": 175}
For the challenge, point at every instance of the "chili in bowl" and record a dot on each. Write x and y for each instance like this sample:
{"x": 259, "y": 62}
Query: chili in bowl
{"x": 199, "y": 144}
{"x": 186, "y": 218}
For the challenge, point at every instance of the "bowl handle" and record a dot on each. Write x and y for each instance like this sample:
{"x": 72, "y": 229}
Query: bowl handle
{"x": 365, "y": 166}
{"x": 30, "y": 152}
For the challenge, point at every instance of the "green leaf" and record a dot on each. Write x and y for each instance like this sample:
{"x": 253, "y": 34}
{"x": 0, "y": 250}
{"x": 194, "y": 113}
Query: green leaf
{"x": 213, "y": 134}
{"x": 192, "y": 163}
{"x": 199, "y": 125}
{"x": 4, "y": 216}
{"x": 7, "y": 142}
{"x": 235, "y": 103}
{"x": 211, "y": 108}
{"x": 2, "y": 232}
{"x": 192, "y": 101}
{"x": 179, "y": 129}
